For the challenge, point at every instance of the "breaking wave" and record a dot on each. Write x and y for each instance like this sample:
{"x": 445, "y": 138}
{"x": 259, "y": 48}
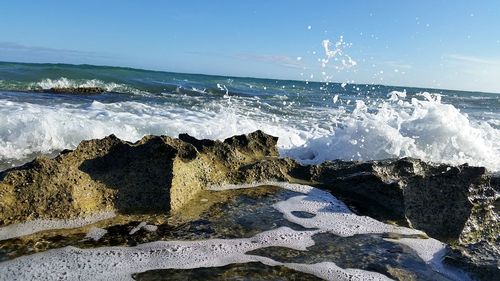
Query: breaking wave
{"x": 421, "y": 127}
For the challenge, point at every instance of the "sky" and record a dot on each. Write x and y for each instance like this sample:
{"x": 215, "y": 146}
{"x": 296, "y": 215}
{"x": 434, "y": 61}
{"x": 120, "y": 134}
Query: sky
{"x": 428, "y": 43}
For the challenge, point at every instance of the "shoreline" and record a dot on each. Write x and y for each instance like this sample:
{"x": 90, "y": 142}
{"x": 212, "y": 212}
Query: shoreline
{"x": 163, "y": 175}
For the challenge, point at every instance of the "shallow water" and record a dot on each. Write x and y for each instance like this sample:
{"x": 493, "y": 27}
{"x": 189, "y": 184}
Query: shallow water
{"x": 242, "y": 272}
{"x": 227, "y": 214}
{"x": 262, "y": 232}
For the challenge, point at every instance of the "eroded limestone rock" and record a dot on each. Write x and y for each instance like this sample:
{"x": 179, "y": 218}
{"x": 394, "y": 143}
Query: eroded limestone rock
{"x": 458, "y": 205}
{"x": 155, "y": 174}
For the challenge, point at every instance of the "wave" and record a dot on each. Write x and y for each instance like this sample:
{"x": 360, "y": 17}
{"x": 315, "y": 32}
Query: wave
{"x": 47, "y": 128}
{"x": 63, "y": 82}
{"x": 421, "y": 128}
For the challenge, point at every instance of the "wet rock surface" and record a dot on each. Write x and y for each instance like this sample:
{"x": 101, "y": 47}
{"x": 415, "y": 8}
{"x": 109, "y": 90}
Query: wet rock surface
{"x": 159, "y": 175}
{"x": 226, "y": 214}
{"x": 153, "y": 175}
{"x": 75, "y": 90}
{"x": 246, "y": 271}
{"x": 481, "y": 258}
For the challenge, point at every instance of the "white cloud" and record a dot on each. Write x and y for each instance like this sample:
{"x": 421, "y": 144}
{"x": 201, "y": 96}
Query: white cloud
{"x": 473, "y": 72}
{"x": 473, "y": 60}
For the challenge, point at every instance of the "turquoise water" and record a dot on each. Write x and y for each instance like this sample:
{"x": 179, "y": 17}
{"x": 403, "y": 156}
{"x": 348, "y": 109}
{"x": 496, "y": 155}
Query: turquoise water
{"x": 315, "y": 121}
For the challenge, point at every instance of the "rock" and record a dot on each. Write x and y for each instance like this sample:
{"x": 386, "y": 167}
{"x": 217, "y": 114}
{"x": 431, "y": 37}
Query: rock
{"x": 482, "y": 259}
{"x": 458, "y": 205}
{"x": 448, "y": 203}
{"x": 453, "y": 204}
{"x": 158, "y": 174}
{"x": 75, "y": 90}
{"x": 155, "y": 174}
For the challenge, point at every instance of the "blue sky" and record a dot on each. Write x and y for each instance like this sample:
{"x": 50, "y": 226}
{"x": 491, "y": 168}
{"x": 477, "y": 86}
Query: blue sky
{"x": 441, "y": 44}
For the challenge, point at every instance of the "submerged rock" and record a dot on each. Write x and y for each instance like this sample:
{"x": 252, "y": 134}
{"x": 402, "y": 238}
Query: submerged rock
{"x": 242, "y": 271}
{"x": 75, "y": 90}
{"x": 363, "y": 251}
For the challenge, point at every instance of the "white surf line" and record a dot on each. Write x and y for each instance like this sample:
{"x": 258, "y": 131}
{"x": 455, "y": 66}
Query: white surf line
{"x": 30, "y": 227}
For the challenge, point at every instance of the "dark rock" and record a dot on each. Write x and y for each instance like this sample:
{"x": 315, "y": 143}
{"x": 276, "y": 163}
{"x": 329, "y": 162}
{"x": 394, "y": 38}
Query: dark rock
{"x": 243, "y": 271}
{"x": 155, "y": 174}
{"x": 76, "y": 90}
{"x": 458, "y": 205}
{"x": 448, "y": 203}
{"x": 482, "y": 259}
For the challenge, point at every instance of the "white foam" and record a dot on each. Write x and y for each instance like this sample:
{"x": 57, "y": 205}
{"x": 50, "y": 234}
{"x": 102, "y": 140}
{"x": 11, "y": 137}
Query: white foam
{"x": 81, "y": 83}
{"x": 30, "y": 128}
{"x": 421, "y": 128}
{"x": 330, "y": 271}
{"x": 333, "y": 216}
{"x": 29, "y": 227}
{"x": 118, "y": 263}
{"x": 143, "y": 225}
{"x": 305, "y": 189}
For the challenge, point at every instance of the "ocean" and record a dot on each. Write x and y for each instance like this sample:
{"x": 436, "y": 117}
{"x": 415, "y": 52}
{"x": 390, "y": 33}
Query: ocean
{"x": 314, "y": 121}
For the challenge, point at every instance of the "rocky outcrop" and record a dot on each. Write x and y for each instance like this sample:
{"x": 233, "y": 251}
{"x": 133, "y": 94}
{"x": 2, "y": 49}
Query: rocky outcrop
{"x": 449, "y": 203}
{"x": 75, "y": 90}
{"x": 458, "y": 205}
{"x": 160, "y": 173}
{"x": 155, "y": 174}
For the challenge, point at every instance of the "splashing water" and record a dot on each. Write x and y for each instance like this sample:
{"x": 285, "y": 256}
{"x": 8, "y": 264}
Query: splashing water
{"x": 421, "y": 128}
{"x": 314, "y": 121}
{"x": 337, "y": 53}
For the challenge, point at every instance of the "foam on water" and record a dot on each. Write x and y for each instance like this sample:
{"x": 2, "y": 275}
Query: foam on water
{"x": 421, "y": 127}
{"x": 29, "y": 227}
{"x": 64, "y": 82}
{"x": 96, "y": 233}
{"x": 30, "y": 128}
{"x": 118, "y": 263}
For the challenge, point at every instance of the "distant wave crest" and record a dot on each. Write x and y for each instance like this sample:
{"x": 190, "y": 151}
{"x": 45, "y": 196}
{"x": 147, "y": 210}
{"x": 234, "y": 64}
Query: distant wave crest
{"x": 63, "y": 82}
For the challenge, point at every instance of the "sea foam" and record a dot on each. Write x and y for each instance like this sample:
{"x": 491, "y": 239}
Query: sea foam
{"x": 423, "y": 126}
{"x": 118, "y": 263}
